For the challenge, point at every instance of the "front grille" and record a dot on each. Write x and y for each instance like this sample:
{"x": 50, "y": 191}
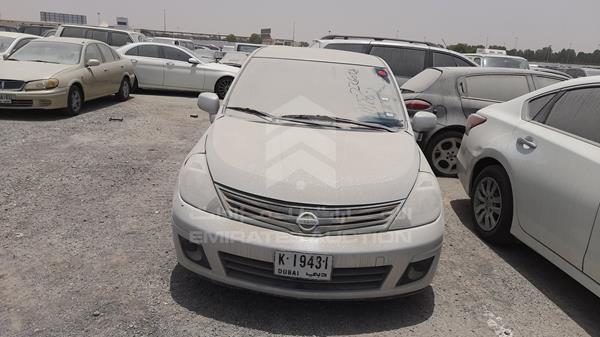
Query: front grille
{"x": 342, "y": 279}
{"x": 283, "y": 215}
{"x": 12, "y": 85}
{"x": 19, "y": 103}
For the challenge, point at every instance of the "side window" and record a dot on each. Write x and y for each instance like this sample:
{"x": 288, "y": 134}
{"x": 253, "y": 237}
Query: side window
{"x": 536, "y": 106}
{"x": 20, "y": 44}
{"x": 443, "y": 60}
{"x": 175, "y": 54}
{"x": 118, "y": 39}
{"x": 73, "y": 32}
{"x": 133, "y": 51}
{"x": 92, "y": 52}
{"x": 353, "y": 47}
{"x": 404, "y": 62}
{"x": 477, "y": 60}
{"x": 578, "y": 112}
{"x": 106, "y": 53}
{"x": 99, "y": 35}
{"x": 149, "y": 51}
{"x": 542, "y": 81}
{"x": 462, "y": 63}
{"x": 499, "y": 88}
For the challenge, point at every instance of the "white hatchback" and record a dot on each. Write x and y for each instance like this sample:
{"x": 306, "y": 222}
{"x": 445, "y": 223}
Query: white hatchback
{"x": 532, "y": 169}
{"x": 309, "y": 182}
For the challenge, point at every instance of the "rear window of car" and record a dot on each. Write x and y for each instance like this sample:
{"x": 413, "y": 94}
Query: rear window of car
{"x": 118, "y": 39}
{"x": 405, "y": 62}
{"x": 423, "y": 81}
{"x": 133, "y": 51}
{"x": 498, "y": 88}
{"x": 353, "y": 47}
{"x": 73, "y": 32}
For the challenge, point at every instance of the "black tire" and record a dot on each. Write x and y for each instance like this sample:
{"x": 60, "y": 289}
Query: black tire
{"x": 441, "y": 152}
{"x": 484, "y": 203}
{"x": 74, "y": 101}
{"x": 135, "y": 87}
{"x": 124, "y": 90}
{"x": 222, "y": 86}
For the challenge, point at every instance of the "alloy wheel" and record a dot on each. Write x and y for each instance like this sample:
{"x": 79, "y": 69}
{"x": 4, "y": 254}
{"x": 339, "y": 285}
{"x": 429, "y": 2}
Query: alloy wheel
{"x": 487, "y": 204}
{"x": 444, "y": 155}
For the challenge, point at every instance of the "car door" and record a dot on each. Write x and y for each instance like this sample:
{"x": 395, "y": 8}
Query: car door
{"x": 591, "y": 265}
{"x": 555, "y": 167}
{"x": 180, "y": 73}
{"x": 113, "y": 69}
{"x": 405, "y": 62}
{"x": 148, "y": 65}
{"x": 480, "y": 91}
{"x": 96, "y": 78}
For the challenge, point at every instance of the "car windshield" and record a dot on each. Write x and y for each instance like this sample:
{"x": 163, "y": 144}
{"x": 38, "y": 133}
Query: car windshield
{"x": 5, "y": 42}
{"x": 49, "y": 52}
{"x": 505, "y": 62}
{"x": 301, "y": 88}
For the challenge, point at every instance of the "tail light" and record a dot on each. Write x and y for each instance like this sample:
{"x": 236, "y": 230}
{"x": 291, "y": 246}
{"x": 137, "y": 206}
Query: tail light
{"x": 417, "y": 104}
{"x": 473, "y": 121}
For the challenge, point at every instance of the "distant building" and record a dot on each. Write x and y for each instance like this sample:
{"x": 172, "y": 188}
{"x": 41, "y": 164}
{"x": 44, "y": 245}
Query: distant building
{"x": 63, "y": 18}
{"x": 122, "y": 22}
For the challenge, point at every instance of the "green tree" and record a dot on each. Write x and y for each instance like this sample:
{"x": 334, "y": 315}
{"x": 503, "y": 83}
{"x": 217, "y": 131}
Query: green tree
{"x": 304, "y": 44}
{"x": 255, "y": 38}
{"x": 231, "y": 38}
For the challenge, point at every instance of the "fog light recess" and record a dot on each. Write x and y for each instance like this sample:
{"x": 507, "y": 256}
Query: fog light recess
{"x": 416, "y": 271}
{"x": 194, "y": 252}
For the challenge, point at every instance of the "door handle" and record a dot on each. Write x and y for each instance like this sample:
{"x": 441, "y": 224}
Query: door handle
{"x": 105, "y": 70}
{"x": 527, "y": 141}
{"x": 170, "y": 63}
{"x": 134, "y": 61}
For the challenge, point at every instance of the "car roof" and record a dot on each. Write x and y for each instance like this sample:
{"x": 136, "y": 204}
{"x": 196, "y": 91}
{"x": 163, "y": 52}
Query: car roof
{"x": 131, "y": 45}
{"x": 460, "y": 71}
{"x": 496, "y": 55}
{"x": 16, "y": 35}
{"x": 170, "y": 39}
{"x": 318, "y": 54}
{"x": 98, "y": 27}
{"x": 70, "y": 40}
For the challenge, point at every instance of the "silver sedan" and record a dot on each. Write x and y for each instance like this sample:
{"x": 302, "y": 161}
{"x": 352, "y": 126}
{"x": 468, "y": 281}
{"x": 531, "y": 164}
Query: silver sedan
{"x": 531, "y": 167}
{"x": 165, "y": 67}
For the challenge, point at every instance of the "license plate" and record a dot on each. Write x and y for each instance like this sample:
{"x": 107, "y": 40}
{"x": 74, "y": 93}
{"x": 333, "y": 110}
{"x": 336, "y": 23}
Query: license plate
{"x": 6, "y": 98}
{"x": 303, "y": 266}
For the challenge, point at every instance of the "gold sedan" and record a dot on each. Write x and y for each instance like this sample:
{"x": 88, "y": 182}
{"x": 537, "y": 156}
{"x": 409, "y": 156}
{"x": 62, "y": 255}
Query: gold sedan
{"x": 63, "y": 73}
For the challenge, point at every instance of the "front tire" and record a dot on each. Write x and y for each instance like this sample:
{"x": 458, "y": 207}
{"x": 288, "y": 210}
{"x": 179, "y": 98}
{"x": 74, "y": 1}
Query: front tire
{"x": 222, "y": 86}
{"x": 124, "y": 90}
{"x": 441, "y": 153}
{"x": 74, "y": 101}
{"x": 492, "y": 205}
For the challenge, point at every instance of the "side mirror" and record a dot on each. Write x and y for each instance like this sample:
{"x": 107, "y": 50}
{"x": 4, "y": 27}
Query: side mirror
{"x": 424, "y": 121}
{"x": 5, "y": 56}
{"x": 194, "y": 60}
{"x": 210, "y": 103}
{"x": 92, "y": 63}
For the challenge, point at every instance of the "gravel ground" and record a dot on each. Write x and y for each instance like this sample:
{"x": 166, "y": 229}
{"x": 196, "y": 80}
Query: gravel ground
{"x": 85, "y": 248}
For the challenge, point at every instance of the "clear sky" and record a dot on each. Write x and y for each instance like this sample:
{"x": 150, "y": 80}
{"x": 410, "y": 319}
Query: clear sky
{"x": 535, "y": 23}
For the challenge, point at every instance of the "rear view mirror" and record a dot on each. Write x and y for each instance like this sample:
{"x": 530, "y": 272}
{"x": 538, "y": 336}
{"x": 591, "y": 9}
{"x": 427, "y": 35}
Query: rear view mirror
{"x": 92, "y": 63}
{"x": 424, "y": 121}
{"x": 209, "y": 102}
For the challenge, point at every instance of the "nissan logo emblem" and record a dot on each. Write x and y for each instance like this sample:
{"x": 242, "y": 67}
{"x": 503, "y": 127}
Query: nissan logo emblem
{"x": 307, "y": 221}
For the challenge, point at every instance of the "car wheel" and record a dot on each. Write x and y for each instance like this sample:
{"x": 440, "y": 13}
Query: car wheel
{"x": 492, "y": 205}
{"x": 222, "y": 86}
{"x": 124, "y": 90}
{"x": 135, "y": 87}
{"x": 441, "y": 153}
{"x": 74, "y": 101}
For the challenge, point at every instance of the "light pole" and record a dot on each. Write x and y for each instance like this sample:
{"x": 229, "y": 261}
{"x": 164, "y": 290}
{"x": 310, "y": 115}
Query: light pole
{"x": 98, "y": 18}
{"x": 293, "y": 32}
{"x": 516, "y": 42}
{"x": 164, "y": 20}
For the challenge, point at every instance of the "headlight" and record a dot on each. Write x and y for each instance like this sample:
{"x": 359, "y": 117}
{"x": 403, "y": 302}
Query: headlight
{"x": 196, "y": 186}
{"x": 423, "y": 206}
{"x": 50, "y": 83}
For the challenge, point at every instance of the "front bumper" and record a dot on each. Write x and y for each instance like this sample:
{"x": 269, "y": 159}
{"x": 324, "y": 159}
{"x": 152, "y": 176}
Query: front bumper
{"x": 222, "y": 238}
{"x": 38, "y": 99}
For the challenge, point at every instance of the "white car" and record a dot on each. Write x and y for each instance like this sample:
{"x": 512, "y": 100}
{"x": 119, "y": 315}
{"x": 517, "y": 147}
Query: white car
{"x": 111, "y": 36}
{"x": 11, "y": 42}
{"x": 166, "y": 67}
{"x": 532, "y": 169}
{"x": 310, "y": 185}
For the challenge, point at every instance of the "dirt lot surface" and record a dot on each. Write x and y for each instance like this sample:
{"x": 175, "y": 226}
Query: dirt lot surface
{"x": 85, "y": 248}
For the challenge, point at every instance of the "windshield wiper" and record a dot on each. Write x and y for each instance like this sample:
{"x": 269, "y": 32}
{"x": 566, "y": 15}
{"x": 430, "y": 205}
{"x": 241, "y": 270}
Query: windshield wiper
{"x": 340, "y": 120}
{"x": 42, "y": 61}
{"x": 271, "y": 118}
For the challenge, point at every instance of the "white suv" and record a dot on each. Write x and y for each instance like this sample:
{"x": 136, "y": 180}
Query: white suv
{"x": 310, "y": 185}
{"x": 407, "y": 58}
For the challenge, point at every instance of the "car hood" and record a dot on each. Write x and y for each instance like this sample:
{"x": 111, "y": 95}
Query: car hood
{"x": 312, "y": 165}
{"x": 30, "y": 71}
{"x": 222, "y": 67}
